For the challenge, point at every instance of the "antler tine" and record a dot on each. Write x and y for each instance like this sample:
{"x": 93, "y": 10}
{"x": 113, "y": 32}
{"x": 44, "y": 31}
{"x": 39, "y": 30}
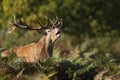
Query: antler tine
{"x": 47, "y": 21}
{"x": 21, "y": 19}
{"x": 38, "y": 21}
{"x": 15, "y": 19}
{"x": 56, "y": 21}
{"x": 61, "y": 23}
{"x": 13, "y": 28}
{"x": 23, "y": 25}
{"x": 51, "y": 21}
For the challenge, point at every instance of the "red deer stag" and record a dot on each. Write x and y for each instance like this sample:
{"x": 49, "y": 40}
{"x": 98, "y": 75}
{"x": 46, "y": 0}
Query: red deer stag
{"x": 35, "y": 52}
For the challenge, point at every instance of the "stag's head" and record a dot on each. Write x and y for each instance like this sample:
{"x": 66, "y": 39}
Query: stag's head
{"x": 53, "y": 32}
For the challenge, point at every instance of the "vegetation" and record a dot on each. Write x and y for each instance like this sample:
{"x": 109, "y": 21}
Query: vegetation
{"x": 87, "y": 50}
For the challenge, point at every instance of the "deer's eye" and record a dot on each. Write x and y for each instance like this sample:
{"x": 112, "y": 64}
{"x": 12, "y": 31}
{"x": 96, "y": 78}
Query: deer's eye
{"x": 53, "y": 27}
{"x": 48, "y": 31}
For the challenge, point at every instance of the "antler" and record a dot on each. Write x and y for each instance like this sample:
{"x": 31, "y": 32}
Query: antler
{"x": 60, "y": 23}
{"x": 40, "y": 23}
{"x": 23, "y": 25}
{"x": 57, "y": 23}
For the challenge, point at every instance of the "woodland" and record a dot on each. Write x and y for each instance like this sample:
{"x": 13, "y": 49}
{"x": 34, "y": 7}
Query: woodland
{"x": 88, "y": 49}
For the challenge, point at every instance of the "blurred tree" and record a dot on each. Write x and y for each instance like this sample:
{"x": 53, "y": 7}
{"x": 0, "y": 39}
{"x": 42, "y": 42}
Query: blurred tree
{"x": 81, "y": 17}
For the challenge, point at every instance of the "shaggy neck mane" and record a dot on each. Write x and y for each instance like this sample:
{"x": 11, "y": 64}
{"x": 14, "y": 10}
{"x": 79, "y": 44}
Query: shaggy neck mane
{"x": 47, "y": 46}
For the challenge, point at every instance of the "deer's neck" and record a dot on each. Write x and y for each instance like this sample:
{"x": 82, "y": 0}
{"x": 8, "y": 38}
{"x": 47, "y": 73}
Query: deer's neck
{"x": 47, "y": 45}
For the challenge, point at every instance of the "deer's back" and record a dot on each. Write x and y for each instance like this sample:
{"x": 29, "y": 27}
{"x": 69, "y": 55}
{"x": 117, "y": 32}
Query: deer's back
{"x": 29, "y": 53}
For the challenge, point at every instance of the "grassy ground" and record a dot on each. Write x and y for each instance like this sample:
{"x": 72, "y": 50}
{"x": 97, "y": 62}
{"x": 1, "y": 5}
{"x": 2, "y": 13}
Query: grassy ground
{"x": 91, "y": 59}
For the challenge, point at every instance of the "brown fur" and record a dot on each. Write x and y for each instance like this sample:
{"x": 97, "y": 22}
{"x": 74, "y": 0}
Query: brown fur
{"x": 35, "y": 52}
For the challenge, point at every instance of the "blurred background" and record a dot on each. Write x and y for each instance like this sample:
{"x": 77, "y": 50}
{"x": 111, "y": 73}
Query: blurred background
{"x": 88, "y": 47}
{"x": 87, "y": 23}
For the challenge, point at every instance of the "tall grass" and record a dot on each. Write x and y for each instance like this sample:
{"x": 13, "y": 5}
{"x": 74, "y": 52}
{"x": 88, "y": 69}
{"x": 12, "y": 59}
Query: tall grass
{"x": 84, "y": 61}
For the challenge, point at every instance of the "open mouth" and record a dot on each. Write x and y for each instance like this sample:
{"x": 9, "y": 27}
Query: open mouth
{"x": 58, "y": 32}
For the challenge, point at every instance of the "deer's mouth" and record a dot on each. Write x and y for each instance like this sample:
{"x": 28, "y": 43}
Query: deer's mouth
{"x": 58, "y": 32}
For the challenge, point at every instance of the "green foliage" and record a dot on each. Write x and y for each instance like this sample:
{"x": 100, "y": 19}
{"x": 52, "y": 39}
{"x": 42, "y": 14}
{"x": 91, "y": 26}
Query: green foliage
{"x": 74, "y": 66}
{"x": 4, "y": 77}
{"x": 92, "y": 23}
{"x": 89, "y": 17}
